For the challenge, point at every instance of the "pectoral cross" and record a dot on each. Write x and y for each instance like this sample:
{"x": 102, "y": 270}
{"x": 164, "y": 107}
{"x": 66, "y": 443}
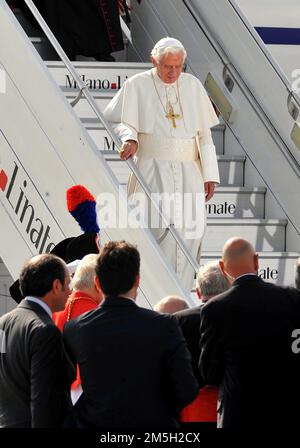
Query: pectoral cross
{"x": 172, "y": 116}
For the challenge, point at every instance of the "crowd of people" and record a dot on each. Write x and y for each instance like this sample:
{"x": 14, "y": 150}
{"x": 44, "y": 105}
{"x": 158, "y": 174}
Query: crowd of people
{"x": 228, "y": 362}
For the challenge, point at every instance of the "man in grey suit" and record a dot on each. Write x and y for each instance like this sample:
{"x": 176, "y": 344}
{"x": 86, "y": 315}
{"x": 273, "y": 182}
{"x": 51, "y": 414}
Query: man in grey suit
{"x": 35, "y": 372}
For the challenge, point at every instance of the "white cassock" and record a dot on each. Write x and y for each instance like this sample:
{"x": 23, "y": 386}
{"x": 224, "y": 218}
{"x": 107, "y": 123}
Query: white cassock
{"x": 173, "y": 160}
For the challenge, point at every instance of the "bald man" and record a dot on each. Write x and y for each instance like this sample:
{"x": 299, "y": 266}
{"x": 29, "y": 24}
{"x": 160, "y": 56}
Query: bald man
{"x": 170, "y": 305}
{"x": 246, "y": 339}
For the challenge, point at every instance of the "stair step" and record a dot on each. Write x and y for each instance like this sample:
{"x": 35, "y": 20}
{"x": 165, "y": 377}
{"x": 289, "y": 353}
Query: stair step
{"x": 82, "y": 108}
{"x": 231, "y": 169}
{"x": 237, "y": 202}
{"x": 274, "y": 267}
{"x": 104, "y": 142}
{"x": 265, "y": 234}
{"x": 98, "y": 76}
{"x": 218, "y": 135}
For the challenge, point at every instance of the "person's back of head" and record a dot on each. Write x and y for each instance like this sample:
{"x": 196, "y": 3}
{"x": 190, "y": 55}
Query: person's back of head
{"x": 238, "y": 258}
{"x": 46, "y": 277}
{"x": 170, "y": 305}
{"x": 118, "y": 269}
{"x": 210, "y": 281}
{"x": 297, "y": 276}
{"x": 84, "y": 277}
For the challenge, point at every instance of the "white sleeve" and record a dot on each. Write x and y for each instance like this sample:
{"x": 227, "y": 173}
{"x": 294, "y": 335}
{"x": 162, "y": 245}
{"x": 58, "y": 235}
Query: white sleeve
{"x": 125, "y": 132}
{"x": 114, "y": 112}
{"x": 208, "y": 157}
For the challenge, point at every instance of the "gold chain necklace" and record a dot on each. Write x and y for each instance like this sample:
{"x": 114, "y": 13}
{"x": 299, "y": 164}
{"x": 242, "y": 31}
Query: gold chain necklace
{"x": 71, "y": 303}
{"x": 169, "y": 110}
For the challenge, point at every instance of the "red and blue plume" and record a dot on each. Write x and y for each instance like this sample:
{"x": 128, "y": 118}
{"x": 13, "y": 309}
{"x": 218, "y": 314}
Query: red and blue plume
{"x": 82, "y": 206}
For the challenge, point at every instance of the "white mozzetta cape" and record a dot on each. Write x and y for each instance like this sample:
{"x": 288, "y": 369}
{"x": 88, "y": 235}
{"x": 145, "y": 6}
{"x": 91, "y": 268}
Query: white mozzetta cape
{"x": 137, "y": 106}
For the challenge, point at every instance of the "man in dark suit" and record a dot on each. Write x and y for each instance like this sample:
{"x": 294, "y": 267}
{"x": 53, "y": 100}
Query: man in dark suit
{"x": 246, "y": 340}
{"x": 35, "y": 374}
{"x": 135, "y": 368}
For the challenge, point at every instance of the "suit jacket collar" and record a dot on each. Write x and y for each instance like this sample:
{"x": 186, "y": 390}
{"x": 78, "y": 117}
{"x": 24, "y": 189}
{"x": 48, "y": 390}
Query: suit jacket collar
{"x": 247, "y": 279}
{"x": 113, "y": 301}
{"x": 32, "y": 306}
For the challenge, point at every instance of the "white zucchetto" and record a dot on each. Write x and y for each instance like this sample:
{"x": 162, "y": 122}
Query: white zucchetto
{"x": 168, "y": 42}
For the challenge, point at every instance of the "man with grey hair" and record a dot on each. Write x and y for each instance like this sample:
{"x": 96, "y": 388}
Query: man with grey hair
{"x": 209, "y": 282}
{"x": 170, "y": 305}
{"x": 85, "y": 296}
{"x": 164, "y": 118}
{"x": 297, "y": 276}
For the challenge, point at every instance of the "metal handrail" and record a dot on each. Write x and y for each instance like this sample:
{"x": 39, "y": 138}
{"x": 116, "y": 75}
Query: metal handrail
{"x": 231, "y": 69}
{"x": 90, "y": 99}
{"x": 266, "y": 52}
{"x": 259, "y": 42}
{"x": 126, "y": 30}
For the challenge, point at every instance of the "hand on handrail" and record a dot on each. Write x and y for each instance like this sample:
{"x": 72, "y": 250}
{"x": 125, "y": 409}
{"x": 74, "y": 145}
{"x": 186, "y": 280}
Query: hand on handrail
{"x": 128, "y": 149}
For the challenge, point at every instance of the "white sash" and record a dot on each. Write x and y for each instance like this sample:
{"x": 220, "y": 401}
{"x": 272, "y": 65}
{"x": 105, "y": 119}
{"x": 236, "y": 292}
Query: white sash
{"x": 161, "y": 148}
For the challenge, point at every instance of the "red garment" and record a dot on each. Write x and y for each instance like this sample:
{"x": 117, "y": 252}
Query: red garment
{"x": 203, "y": 408}
{"x": 78, "y": 303}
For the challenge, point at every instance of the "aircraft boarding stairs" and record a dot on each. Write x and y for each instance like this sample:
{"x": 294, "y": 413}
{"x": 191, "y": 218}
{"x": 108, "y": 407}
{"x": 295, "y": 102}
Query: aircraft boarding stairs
{"x": 238, "y": 207}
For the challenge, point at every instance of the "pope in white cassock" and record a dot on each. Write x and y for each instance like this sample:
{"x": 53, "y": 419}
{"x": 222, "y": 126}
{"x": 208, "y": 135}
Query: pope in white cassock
{"x": 163, "y": 118}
